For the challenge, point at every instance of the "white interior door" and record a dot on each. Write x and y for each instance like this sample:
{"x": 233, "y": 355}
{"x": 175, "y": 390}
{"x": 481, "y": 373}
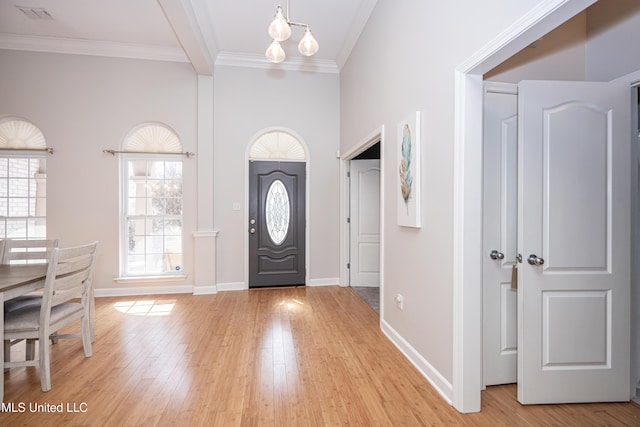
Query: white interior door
{"x": 364, "y": 191}
{"x": 500, "y": 214}
{"x": 574, "y": 235}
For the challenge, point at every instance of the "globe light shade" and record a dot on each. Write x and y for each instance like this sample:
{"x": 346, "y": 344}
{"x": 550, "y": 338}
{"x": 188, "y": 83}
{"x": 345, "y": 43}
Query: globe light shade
{"x": 308, "y": 45}
{"x": 279, "y": 29}
{"x": 275, "y": 53}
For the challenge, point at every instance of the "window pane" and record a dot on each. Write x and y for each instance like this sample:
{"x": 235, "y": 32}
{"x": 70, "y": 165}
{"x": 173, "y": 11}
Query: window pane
{"x": 173, "y": 244}
{"x": 4, "y": 186}
{"x": 136, "y": 206}
{"x": 18, "y": 168}
{"x": 135, "y": 263}
{"x": 155, "y": 244}
{"x": 18, "y": 207}
{"x": 16, "y": 228}
{"x": 154, "y": 194}
{"x": 155, "y": 263}
{"x": 173, "y": 170}
{"x": 36, "y": 229}
{"x": 19, "y": 187}
{"x": 173, "y": 206}
{"x": 277, "y": 212}
{"x": 156, "y": 169}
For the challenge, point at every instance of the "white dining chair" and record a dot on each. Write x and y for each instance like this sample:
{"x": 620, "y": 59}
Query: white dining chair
{"x": 22, "y": 251}
{"x": 65, "y": 300}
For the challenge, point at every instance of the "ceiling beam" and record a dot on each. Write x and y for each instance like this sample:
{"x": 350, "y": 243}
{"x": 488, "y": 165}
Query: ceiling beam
{"x": 182, "y": 19}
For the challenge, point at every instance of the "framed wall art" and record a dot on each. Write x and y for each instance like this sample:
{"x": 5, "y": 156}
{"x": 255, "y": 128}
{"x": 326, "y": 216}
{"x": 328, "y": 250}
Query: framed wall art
{"x": 408, "y": 171}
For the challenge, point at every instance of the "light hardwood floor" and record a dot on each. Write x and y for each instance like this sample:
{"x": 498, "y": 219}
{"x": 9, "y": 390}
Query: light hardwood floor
{"x": 271, "y": 357}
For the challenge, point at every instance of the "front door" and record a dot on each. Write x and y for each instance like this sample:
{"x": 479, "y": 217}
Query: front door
{"x": 574, "y": 237}
{"x": 276, "y": 223}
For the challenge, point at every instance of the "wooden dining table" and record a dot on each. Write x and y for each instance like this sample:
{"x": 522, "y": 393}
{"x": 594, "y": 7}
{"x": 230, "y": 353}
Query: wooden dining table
{"x": 17, "y": 280}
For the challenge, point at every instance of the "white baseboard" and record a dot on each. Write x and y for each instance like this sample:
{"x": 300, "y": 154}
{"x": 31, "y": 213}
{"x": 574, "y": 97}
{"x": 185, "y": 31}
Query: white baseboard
{"x": 437, "y": 380}
{"x": 232, "y": 286}
{"x": 143, "y": 290}
{"x": 205, "y": 290}
{"x": 331, "y": 281}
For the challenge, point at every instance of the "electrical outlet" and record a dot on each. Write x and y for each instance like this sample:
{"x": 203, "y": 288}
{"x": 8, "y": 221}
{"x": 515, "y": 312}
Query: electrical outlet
{"x": 399, "y": 301}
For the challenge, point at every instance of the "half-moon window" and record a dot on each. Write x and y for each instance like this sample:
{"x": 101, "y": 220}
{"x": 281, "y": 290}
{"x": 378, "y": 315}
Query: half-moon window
{"x": 153, "y": 138}
{"x": 277, "y": 145}
{"x": 20, "y": 134}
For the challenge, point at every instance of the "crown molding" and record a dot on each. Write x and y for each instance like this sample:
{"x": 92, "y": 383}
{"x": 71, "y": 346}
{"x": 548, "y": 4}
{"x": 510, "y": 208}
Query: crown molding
{"x": 91, "y": 47}
{"x": 259, "y": 61}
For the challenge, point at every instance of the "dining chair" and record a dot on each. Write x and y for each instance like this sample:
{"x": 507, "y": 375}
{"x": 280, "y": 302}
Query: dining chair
{"x": 65, "y": 300}
{"x": 22, "y": 251}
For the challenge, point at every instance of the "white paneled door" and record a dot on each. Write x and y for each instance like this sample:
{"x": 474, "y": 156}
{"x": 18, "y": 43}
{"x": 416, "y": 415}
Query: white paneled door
{"x": 500, "y": 205}
{"x": 364, "y": 195}
{"x": 574, "y": 236}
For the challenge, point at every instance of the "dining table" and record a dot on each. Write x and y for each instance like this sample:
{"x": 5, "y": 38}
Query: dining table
{"x": 17, "y": 280}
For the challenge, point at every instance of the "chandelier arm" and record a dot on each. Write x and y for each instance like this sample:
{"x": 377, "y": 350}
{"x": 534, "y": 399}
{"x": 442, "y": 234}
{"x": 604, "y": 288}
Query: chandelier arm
{"x": 299, "y": 24}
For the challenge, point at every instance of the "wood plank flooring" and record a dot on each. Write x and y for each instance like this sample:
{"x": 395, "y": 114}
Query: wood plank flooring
{"x": 270, "y": 357}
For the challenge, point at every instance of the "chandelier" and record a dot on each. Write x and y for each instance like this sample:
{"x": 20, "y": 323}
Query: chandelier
{"x": 280, "y": 30}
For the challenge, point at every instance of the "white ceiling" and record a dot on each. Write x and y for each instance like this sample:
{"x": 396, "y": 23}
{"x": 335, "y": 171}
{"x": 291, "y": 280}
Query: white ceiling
{"x": 199, "y": 31}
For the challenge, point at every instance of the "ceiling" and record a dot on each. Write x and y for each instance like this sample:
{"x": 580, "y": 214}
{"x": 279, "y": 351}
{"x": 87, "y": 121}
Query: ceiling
{"x": 202, "y": 32}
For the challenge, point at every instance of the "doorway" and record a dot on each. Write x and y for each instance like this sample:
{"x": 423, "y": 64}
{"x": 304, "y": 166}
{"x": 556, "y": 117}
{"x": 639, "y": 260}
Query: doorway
{"x": 364, "y": 225}
{"x": 467, "y": 375}
{"x": 277, "y": 209}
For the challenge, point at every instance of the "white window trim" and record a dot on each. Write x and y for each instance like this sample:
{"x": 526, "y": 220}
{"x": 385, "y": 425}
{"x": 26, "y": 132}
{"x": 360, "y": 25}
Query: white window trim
{"x": 123, "y": 232}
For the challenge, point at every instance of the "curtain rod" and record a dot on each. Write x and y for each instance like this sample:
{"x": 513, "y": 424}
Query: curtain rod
{"x": 183, "y": 153}
{"x": 47, "y": 149}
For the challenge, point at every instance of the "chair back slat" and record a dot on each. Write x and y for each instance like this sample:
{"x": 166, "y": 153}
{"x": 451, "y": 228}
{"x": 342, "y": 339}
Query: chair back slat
{"x": 18, "y": 251}
{"x": 69, "y": 275}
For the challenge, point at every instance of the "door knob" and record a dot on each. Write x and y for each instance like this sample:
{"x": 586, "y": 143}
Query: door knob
{"x": 252, "y": 230}
{"x": 496, "y": 255}
{"x": 535, "y": 260}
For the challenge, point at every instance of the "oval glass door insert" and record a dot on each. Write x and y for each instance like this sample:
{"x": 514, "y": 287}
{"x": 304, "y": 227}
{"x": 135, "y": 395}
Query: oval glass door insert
{"x": 277, "y": 212}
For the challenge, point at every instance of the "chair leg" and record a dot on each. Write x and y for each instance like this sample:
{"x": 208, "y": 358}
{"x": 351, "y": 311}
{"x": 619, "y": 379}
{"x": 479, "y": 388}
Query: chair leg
{"x": 30, "y": 350}
{"x": 45, "y": 363}
{"x": 7, "y": 353}
{"x": 86, "y": 336}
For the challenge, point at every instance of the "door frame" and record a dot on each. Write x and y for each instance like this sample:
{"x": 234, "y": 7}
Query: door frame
{"x": 467, "y": 165}
{"x": 377, "y": 136}
{"x": 245, "y": 222}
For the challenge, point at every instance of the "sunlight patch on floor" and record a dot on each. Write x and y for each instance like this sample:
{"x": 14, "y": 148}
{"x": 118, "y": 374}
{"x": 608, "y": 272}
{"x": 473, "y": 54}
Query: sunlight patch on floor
{"x": 146, "y": 307}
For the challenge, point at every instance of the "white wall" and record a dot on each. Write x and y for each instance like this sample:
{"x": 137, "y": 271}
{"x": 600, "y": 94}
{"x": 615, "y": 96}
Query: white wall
{"x": 247, "y": 102}
{"x": 82, "y": 105}
{"x": 404, "y": 61}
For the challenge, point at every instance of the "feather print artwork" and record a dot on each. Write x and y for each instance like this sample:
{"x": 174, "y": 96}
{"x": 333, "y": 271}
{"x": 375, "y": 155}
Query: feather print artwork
{"x": 406, "y": 180}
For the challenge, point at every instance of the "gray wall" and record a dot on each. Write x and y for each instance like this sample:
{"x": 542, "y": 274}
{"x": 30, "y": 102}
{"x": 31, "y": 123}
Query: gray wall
{"x": 404, "y": 62}
{"x": 82, "y": 105}
{"x": 248, "y": 102}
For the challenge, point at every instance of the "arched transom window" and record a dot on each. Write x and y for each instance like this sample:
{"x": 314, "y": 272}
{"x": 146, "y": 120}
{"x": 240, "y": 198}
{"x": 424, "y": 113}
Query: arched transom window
{"x": 277, "y": 145}
{"x": 152, "y": 202}
{"x": 23, "y": 180}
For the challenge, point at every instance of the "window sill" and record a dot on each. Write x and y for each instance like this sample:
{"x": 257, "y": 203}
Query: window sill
{"x": 151, "y": 279}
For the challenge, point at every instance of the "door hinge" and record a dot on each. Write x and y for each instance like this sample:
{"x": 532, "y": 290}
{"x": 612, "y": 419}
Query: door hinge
{"x": 348, "y": 266}
{"x": 348, "y": 174}
{"x": 348, "y": 220}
